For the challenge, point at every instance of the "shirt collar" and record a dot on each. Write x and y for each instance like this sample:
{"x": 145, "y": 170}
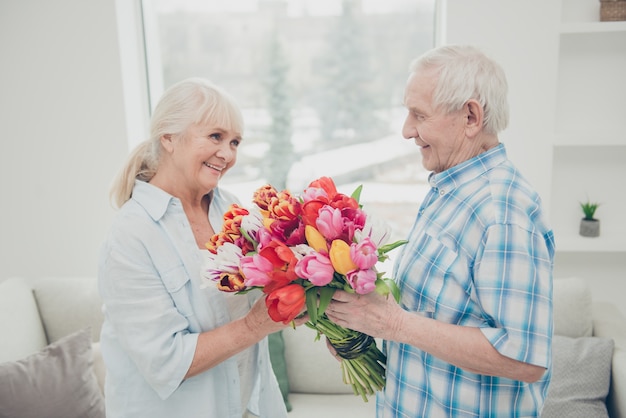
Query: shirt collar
{"x": 453, "y": 177}
{"x": 154, "y": 200}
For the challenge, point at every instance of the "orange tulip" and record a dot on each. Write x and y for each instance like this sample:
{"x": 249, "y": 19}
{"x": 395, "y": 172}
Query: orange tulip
{"x": 263, "y": 195}
{"x": 231, "y": 282}
{"x": 284, "y": 206}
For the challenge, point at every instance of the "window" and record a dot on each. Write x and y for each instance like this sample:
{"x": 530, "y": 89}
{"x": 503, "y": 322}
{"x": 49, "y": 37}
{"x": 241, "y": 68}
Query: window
{"x": 320, "y": 83}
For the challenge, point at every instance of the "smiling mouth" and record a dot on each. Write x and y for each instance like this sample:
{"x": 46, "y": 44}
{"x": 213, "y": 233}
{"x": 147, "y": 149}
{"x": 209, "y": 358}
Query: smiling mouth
{"x": 214, "y": 167}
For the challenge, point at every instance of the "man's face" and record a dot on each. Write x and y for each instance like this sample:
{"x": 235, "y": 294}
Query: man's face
{"x": 439, "y": 135}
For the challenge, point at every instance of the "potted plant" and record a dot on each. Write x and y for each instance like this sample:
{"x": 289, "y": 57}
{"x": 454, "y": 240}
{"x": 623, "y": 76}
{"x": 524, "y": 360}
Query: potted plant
{"x": 589, "y": 226}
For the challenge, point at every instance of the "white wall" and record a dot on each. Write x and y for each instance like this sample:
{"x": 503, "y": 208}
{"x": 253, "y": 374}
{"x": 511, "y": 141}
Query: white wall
{"x": 63, "y": 134}
{"x": 523, "y": 37}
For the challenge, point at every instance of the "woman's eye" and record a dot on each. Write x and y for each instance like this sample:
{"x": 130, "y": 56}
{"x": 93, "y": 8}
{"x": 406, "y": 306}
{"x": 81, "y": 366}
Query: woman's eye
{"x": 217, "y": 136}
{"x": 235, "y": 142}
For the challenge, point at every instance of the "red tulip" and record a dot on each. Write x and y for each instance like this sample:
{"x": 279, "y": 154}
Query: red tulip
{"x": 285, "y": 303}
{"x": 327, "y": 184}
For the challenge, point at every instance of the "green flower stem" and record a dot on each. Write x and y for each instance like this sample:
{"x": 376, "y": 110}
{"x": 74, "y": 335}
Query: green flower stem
{"x": 364, "y": 371}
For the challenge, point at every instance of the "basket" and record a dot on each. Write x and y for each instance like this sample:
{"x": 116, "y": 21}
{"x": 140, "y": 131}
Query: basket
{"x": 611, "y": 10}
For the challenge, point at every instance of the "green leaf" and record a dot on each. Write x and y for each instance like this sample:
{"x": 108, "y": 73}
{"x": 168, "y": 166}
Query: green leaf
{"x": 589, "y": 209}
{"x": 386, "y": 286}
{"x": 311, "y": 304}
{"x": 381, "y": 287}
{"x": 247, "y": 236}
{"x": 393, "y": 287}
{"x": 248, "y": 289}
{"x": 326, "y": 294}
{"x": 356, "y": 194}
{"x": 388, "y": 247}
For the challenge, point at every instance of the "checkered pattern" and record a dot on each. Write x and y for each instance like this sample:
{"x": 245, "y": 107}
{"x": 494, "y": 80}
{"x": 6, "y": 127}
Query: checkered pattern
{"x": 480, "y": 254}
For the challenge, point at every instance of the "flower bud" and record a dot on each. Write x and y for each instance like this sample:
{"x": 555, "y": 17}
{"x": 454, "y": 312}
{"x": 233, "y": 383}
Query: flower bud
{"x": 285, "y": 303}
{"x": 340, "y": 257}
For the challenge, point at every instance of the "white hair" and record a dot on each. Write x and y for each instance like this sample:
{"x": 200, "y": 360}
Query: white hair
{"x": 464, "y": 73}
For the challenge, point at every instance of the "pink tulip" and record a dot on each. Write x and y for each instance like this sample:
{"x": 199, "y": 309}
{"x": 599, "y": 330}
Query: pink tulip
{"x": 362, "y": 281}
{"x": 316, "y": 268}
{"x": 329, "y": 222}
{"x": 364, "y": 254}
{"x": 313, "y": 193}
{"x": 256, "y": 270}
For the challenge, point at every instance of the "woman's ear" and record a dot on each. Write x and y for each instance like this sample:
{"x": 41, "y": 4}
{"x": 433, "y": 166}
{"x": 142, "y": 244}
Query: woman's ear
{"x": 166, "y": 141}
{"x": 475, "y": 116}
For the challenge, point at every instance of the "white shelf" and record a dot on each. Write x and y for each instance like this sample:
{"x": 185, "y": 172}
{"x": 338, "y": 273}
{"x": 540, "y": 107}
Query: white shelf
{"x": 590, "y": 139}
{"x": 568, "y": 28}
{"x": 590, "y": 90}
{"x": 576, "y": 243}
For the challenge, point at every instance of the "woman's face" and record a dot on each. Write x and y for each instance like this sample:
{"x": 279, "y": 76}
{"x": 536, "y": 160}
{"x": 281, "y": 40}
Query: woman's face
{"x": 204, "y": 154}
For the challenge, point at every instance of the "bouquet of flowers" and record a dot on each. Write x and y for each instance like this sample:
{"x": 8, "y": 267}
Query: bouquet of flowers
{"x": 299, "y": 250}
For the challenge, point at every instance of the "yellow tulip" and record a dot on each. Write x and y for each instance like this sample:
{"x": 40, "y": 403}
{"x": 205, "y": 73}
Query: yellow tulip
{"x": 340, "y": 257}
{"x": 315, "y": 239}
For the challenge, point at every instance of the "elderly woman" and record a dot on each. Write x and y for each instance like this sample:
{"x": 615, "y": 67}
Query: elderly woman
{"x": 171, "y": 347}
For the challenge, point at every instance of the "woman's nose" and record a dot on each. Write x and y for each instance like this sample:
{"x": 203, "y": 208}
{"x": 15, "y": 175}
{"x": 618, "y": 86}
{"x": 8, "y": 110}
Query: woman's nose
{"x": 226, "y": 152}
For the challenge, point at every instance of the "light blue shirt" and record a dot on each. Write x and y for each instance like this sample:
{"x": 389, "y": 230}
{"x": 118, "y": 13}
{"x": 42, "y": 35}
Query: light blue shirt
{"x": 154, "y": 309}
{"x": 480, "y": 254}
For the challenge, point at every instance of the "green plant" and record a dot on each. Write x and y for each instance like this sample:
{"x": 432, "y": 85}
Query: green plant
{"x": 589, "y": 209}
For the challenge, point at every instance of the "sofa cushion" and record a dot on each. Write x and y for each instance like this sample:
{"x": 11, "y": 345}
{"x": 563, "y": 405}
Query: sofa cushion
{"x": 581, "y": 376}
{"x": 276, "y": 344}
{"x": 19, "y": 319}
{"x": 55, "y": 382}
{"x": 311, "y": 367}
{"x": 99, "y": 367}
{"x": 68, "y": 304}
{"x": 572, "y": 308}
{"x": 331, "y": 406}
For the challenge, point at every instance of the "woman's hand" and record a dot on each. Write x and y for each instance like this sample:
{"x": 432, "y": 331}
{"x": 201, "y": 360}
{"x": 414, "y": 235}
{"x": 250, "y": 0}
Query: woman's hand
{"x": 259, "y": 320}
{"x": 216, "y": 345}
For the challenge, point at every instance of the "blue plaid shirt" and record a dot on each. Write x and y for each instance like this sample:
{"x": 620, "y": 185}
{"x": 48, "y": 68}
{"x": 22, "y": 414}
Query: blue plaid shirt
{"x": 480, "y": 254}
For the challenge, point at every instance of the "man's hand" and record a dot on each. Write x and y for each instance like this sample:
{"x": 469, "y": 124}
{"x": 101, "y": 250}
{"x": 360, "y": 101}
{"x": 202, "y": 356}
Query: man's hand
{"x": 373, "y": 314}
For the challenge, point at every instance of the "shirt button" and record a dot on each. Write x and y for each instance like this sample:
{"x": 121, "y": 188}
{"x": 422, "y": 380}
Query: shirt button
{"x": 442, "y": 192}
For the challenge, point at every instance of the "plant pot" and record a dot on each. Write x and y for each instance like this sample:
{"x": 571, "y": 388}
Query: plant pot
{"x": 589, "y": 227}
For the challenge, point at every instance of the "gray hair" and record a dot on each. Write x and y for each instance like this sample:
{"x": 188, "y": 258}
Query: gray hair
{"x": 188, "y": 102}
{"x": 464, "y": 73}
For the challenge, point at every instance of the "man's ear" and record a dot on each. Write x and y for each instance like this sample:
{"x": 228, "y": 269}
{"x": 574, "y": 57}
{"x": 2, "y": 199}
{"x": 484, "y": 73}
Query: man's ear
{"x": 475, "y": 116}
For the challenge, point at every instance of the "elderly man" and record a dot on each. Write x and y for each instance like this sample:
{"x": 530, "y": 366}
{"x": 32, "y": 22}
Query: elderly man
{"x": 472, "y": 334}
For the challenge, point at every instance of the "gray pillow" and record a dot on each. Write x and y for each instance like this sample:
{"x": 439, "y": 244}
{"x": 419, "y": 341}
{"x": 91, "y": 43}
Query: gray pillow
{"x": 581, "y": 377}
{"x": 56, "y": 382}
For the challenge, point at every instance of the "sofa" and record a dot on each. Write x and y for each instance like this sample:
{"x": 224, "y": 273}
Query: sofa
{"x": 50, "y": 363}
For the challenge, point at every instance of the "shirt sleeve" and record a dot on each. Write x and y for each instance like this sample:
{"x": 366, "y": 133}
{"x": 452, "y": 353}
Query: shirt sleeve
{"x": 513, "y": 280}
